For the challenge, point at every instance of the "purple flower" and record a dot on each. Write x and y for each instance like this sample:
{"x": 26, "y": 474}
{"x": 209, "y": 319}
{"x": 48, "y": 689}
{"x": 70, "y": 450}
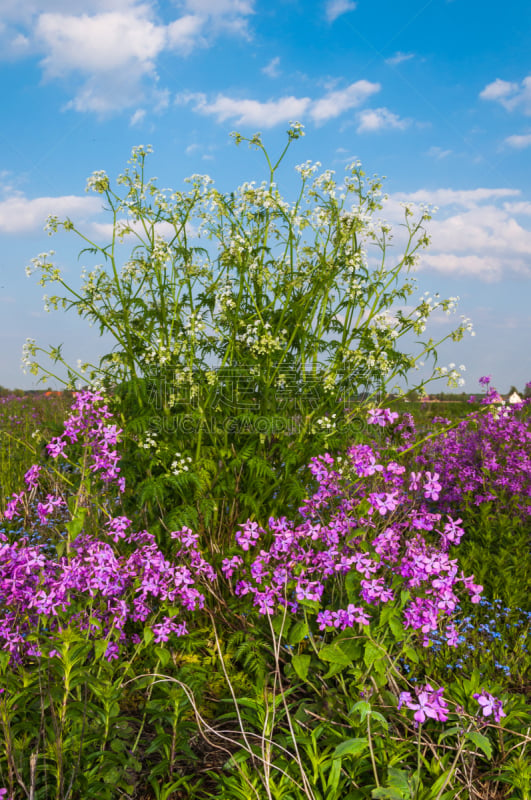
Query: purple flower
{"x": 56, "y": 447}
{"x": 249, "y": 536}
{"x": 11, "y": 508}
{"x": 31, "y": 477}
{"x": 490, "y": 705}
{"x": 428, "y": 704}
{"x": 432, "y": 487}
{"x": 117, "y": 527}
{"x": 381, "y": 416}
{"x": 113, "y": 652}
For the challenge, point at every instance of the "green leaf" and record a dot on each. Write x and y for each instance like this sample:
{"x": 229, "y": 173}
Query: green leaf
{"x": 387, "y": 793}
{"x": 449, "y": 732}
{"x": 298, "y": 632}
{"x": 334, "y": 654}
{"x": 100, "y": 647}
{"x": 363, "y": 707}
{"x": 163, "y": 655}
{"x": 75, "y": 526}
{"x": 411, "y": 653}
{"x": 480, "y": 741}
{"x": 398, "y": 779}
{"x": 301, "y": 665}
{"x": 439, "y": 783}
{"x": 148, "y": 636}
{"x": 350, "y": 747}
{"x": 333, "y": 777}
{"x": 372, "y": 654}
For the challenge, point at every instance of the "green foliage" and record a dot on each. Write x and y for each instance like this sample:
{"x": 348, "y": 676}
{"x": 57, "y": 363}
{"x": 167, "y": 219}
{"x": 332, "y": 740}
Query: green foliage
{"x": 247, "y": 332}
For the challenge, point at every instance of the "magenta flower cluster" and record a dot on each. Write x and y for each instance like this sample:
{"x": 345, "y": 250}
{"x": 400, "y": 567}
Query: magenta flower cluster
{"x": 363, "y": 519}
{"x": 109, "y": 587}
{"x": 87, "y": 426}
{"x": 487, "y": 457}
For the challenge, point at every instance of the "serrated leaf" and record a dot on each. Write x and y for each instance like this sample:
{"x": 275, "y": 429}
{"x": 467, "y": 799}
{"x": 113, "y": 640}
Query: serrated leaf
{"x": 480, "y": 741}
{"x": 398, "y": 779}
{"x": 298, "y": 632}
{"x": 372, "y": 653}
{"x": 301, "y": 665}
{"x": 334, "y": 654}
{"x": 411, "y": 653}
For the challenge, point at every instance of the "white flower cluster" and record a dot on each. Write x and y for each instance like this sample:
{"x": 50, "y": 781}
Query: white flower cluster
{"x": 295, "y": 130}
{"x": 41, "y": 262}
{"x": 180, "y": 463}
{"x": 195, "y": 322}
{"x": 260, "y": 340}
{"x": 326, "y": 423}
{"x": 468, "y": 325}
{"x": 98, "y": 182}
{"x": 325, "y": 183}
{"x": 224, "y": 298}
{"x": 452, "y": 374}
{"x": 161, "y": 251}
{"x": 387, "y": 323}
{"x": 29, "y": 351}
{"x": 201, "y": 185}
{"x": 149, "y": 442}
{"x": 308, "y": 169}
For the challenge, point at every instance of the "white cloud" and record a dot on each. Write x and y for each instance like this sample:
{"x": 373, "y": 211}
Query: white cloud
{"x": 337, "y": 102}
{"x": 101, "y": 43}
{"x": 271, "y": 69}
{"x": 220, "y": 7}
{"x": 111, "y": 47}
{"x": 498, "y": 90}
{"x": 138, "y": 116}
{"x": 335, "y": 8}
{"x": 398, "y": 58}
{"x": 519, "y": 141}
{"x": 372, "y": 120}
{"x": 473, "y": 233}
{"x": 510, "y": 95}
{"x": 249, "y": 112}
{"x": 466, "y": 198}
{"x": 18, "y": 214}
{"x": 13, "y": 44}
{"x": 183, "y": 33}
{"x": 271, "y": 112}
{"x": 438, "y": 153}
{"x": 520, "y": 207}
{"x": 112, "y": 52}
{"x": 486, "y": 269}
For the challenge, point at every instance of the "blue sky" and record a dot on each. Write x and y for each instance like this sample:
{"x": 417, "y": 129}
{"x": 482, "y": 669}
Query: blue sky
{"x": 434, "y": 95}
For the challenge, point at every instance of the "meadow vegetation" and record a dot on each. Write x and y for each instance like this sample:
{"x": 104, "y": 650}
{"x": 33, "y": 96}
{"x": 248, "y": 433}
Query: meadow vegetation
{"x": 229, "y": 566}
